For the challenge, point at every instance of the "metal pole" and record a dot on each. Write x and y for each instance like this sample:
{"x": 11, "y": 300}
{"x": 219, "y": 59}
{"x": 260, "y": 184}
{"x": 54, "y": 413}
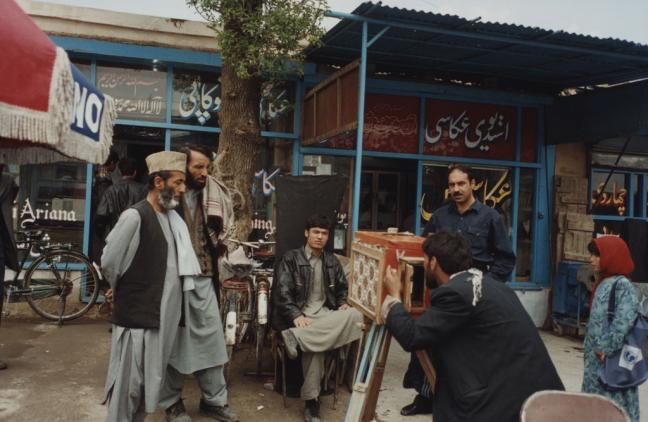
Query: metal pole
{"x": 360, "y": 130}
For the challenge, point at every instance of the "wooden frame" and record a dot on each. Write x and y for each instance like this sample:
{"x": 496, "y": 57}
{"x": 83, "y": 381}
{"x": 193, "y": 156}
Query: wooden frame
{"x": 405, "y": 274}
{"x": 367, "y": 265}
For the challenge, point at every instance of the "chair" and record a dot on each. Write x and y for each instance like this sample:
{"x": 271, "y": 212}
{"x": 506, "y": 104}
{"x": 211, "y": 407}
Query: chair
{"x": 561, "y": 406}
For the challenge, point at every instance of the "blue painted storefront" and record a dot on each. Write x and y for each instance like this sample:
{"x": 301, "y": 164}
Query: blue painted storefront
{"x": 171, "y": 59}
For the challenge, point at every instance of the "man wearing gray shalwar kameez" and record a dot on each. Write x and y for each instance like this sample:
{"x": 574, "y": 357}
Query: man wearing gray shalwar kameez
{"x": 200, "y": 348}
{"x": 309, "y": 308}
{"x": 144, "y": 257}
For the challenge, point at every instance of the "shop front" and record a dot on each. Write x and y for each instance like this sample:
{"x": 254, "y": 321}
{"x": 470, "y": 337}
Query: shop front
{"x": 166, "y": 95}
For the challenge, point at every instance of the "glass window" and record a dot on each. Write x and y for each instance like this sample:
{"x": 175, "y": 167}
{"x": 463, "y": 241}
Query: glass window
{"x": 139, "y": 93}
{"x": 53, "y": 197}
{"x": 610, "y": 199}
{"x": 525, "y": 225}
{"x": 277, "y": 107}
{"x": 196, "y": 98}
{"x": 83, "y": 66}
{"x": 179, "y": 138}
{"x": 493, "y": 188}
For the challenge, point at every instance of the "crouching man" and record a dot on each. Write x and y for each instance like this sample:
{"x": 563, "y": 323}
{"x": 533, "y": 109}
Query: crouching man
{"x": 309, "y": 308}
{"x": 487, "y": 353}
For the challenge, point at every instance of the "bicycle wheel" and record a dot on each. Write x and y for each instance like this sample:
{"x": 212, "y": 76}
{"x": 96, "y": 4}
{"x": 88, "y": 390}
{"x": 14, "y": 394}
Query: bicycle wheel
{"x": 64, "y": 285}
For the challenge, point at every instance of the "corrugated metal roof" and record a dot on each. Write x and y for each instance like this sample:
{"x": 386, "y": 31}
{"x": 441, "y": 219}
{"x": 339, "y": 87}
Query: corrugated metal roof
{"x": 489, "y": 54}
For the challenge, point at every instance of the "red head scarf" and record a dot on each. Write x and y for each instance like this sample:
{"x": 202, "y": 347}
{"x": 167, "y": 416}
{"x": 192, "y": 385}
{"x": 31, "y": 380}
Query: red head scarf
{"x": 615, "y": 258}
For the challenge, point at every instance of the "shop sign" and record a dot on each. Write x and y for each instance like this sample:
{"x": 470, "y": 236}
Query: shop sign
{"x": 138, "y": 94}
{"x": 29, "y": 215}
{"x": 264, "y": 178}
{"x": 200, "y": 101}
{"x": 470, "y": 129}
{"x": 614, "y": 201}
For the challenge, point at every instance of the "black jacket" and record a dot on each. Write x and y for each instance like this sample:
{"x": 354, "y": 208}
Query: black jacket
{"x": 489, "y": 358}
{"x": 8, "y": 192}
{"x": 115, "y": 200}
{"x": 292, "y": 284}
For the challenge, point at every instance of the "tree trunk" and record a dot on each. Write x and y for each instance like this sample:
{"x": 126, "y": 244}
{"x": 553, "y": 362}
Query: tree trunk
{"x": 240, "y": 142}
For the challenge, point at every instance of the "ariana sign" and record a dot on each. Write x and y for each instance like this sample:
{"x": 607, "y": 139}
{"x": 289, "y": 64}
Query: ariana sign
{"x": 29, "y": 215}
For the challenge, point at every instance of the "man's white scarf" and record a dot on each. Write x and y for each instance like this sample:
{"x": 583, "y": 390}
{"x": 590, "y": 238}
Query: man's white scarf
{"x": 476, "y": 280}
{"x": 188, "y": 265}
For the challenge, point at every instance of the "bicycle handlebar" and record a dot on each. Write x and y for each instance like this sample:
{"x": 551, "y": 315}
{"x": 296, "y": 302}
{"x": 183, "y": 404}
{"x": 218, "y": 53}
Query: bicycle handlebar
{"x": 251, "y": 245}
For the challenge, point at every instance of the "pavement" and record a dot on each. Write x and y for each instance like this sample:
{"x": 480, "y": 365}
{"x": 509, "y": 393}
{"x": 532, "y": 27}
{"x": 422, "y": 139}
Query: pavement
{"x": 58, "y": 373}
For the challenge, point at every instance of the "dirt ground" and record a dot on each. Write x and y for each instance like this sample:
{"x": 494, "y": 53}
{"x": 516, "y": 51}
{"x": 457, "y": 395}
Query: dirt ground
{"x": 57, "y": 374}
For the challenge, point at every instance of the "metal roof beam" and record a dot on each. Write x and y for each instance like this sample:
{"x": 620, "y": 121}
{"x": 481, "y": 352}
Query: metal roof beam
{"x": 464, "y": 34}
{"x": 377, "y": 36}
{"x": 449, "y": 62}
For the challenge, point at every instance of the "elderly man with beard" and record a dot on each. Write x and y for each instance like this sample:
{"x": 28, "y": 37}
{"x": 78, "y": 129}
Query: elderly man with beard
{"x": 486, "y": 350}
{"x": 200, "y": 349}
{"x": 146, "y": 254}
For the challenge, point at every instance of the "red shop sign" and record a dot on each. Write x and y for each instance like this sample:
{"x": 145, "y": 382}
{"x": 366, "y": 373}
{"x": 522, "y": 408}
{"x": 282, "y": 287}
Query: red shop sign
{"x": 465, "y": 129}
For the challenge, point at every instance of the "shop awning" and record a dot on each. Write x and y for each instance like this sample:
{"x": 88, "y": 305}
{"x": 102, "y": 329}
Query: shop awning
{"x": 605, "y": 116}
{"x": 429, "y": 46}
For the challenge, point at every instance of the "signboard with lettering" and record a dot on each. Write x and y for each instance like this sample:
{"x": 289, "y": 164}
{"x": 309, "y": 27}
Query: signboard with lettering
{"x": 465, "y": 129}
{"x": 390, "y": 125}
{"x": 139, "y": 94}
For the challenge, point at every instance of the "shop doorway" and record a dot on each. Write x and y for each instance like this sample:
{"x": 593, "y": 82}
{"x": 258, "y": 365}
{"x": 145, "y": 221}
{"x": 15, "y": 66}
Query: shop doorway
{"x": 387, "y": 192}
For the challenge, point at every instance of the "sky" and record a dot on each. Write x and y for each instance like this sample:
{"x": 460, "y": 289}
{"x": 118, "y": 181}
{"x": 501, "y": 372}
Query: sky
{"x": 624, "y": 19}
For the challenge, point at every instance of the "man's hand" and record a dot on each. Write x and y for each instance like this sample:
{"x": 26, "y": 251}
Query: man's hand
{"x": 344, "y": 307}
{"x": 301, "y": 322}
{"x": 109, "y": 295}
{"x": 600, "y": 356}
{"x": 391, "y": 283}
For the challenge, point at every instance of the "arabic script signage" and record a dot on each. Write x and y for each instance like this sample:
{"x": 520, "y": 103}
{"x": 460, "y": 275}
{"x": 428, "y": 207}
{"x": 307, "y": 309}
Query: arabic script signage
{"x": 139, "y": 94}
{"x": 469, "y": 129}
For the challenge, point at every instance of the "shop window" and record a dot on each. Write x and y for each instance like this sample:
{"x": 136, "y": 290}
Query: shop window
{"x": 277, "y": 108}
{"x": 611, "y": 198}
{"x": 139, "y": 93}
{"x": 84, "y": 67}
{"x": 493, "y": 188}
{"x": 179, "y": 138}
{"x": 341, "y": 166}
{"x": 196, "y": 98}
{"x": 525, "y": 225}
{"x": 52, "y": 197}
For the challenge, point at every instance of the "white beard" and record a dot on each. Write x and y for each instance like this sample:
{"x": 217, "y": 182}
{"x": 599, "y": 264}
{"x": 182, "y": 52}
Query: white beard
{"x": 166, "y": 200}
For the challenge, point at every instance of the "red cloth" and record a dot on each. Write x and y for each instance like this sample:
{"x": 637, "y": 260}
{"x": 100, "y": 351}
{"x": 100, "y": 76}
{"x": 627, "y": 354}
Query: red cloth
{"x": 615, "y": 259}
{"x": 27, "y": 59}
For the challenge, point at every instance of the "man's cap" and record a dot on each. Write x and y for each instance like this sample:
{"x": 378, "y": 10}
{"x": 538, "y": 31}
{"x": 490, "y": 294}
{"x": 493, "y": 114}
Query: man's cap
{"x": 166, "y": 161}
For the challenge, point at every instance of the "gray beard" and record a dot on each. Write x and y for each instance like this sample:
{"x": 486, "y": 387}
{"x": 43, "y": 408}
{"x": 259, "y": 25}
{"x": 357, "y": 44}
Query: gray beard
{"x": 166, "y": 199}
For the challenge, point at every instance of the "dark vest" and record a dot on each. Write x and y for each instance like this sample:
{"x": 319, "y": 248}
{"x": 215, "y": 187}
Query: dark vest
{"x": 138, "y": 293}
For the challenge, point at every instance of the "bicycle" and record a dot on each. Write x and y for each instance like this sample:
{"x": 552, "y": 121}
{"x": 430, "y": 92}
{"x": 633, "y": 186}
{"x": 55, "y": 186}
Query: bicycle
{"x": 244, "y": 297}
{"x": 60, "y": 284}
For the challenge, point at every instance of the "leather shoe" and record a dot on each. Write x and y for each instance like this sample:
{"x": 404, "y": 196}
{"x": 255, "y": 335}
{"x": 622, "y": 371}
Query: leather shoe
{"x": 312, "y": 411}
{"x": 220, "y": 413}
{"x": 290, "y": 343}
{"x": 420, "y": 406}
{"x": 177, "y": 413}
{"x": 3, "y": 364}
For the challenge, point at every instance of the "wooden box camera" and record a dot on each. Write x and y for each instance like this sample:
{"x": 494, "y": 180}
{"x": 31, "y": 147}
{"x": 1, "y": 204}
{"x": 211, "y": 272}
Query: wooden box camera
{"x": 371, "y": 254}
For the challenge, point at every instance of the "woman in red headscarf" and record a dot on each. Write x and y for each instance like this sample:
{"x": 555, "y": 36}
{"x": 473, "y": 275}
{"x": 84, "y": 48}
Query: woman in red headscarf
{"x": 611, "y": 258}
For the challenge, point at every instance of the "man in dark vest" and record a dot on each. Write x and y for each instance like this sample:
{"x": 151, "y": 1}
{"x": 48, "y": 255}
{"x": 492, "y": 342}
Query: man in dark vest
{"x": 484, "y": 346}
{"x": 145, "y": 256}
